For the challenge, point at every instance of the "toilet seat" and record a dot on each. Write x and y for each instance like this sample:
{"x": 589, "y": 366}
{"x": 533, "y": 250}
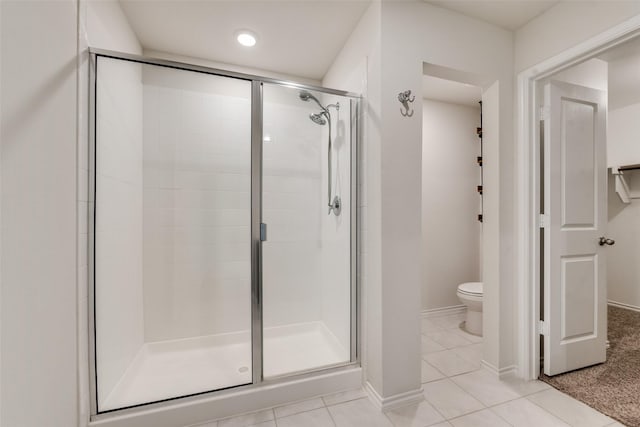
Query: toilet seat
{"x": 473, "y": 289}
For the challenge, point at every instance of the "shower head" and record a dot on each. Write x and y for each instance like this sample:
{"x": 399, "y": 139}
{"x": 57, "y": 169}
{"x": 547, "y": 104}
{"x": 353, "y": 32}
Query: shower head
{"x": 306, "y": 96}
{"x": 317, "y": 118}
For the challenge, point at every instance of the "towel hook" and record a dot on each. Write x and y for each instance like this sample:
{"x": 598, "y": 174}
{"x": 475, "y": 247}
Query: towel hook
{"x": 405, "y": 98}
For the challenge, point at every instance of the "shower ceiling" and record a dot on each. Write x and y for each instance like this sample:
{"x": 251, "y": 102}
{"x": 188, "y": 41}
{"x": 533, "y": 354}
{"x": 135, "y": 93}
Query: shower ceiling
{"x": 286, "y": 30}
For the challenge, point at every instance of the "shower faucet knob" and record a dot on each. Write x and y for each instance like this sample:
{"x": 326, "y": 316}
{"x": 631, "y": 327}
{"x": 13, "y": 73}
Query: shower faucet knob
{"x": 335, "y": 206}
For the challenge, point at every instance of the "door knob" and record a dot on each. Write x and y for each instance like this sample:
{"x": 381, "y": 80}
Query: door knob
{"x": 604, "y": 241}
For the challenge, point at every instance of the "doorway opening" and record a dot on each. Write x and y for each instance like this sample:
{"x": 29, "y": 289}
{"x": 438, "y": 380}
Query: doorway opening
{"x": 452, "y": 214}
{"x": 589, "y": 298}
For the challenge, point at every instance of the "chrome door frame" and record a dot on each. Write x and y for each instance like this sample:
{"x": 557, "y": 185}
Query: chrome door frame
{"x": 256, "y": 219}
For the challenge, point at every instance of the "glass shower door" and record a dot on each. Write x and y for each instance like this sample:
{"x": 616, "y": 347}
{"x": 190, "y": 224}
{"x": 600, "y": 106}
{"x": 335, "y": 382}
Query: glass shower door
{"x": 187, "y": 295}
{"x": 172, "y": 233}
{"x": 306, "y": 203}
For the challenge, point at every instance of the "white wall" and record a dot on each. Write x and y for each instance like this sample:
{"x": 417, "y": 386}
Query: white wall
{"x": 592, "y": 73}
{"x": 565, "y": 25}
{"x": 624, "y": 80}
{"x": 0, "y": 218}
{"x": 38, "y": 229}
{"x": 107, "y": 27}
{"x": 497, "y": 295}
{"x": 623, "y": 269}
{"x": 392, "y": 239}
{"x": 487, "y": 52}
{"x": 451, "y": 231}
{"x": 118, "y": 237}
{"x": 623, "y": 128}
{"x": 623, "y": 133}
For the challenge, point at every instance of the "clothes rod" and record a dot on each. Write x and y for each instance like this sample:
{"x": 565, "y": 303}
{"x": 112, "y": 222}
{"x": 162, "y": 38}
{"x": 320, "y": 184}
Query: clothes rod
{"x": 629, "y": 167}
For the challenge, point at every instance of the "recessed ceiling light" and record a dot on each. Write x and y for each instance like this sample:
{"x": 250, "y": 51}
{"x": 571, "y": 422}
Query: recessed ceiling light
{"x": 246, "y": 38}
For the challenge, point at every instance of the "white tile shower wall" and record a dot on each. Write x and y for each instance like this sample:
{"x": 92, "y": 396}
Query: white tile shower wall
{"x": 197, "y": 208}
{"x": 336, "y": 230}
{"x": 119, "y": 315}
{"x": 196, "y": 204}
{"x": 292, "y": 209}
{"x": 450, "y": 202}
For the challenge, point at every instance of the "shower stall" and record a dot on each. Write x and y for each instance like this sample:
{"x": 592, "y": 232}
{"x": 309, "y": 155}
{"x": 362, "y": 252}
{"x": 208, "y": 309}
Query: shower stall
{"x": 222, "y": 230}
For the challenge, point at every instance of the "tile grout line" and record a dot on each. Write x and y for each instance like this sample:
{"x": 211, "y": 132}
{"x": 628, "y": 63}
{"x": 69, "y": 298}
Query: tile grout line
{"x": 445, "y": 376}
{"x": 500, "y": 417}
{"x": 388, "y": 419}
{"x": 561, "y": 419}
{"x": 553, "y": 415}
{"x": 436, "y": 409}
{"x": 324, "y": 406}
{"x": 330, "y": 414}
{"x": 489, "y": 407}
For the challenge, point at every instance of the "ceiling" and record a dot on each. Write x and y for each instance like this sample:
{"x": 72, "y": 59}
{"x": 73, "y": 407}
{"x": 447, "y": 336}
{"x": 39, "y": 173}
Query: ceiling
{"x": 449, "y": 91}
{"x": 508, "y": 14}
{"x": 296, "y": 37}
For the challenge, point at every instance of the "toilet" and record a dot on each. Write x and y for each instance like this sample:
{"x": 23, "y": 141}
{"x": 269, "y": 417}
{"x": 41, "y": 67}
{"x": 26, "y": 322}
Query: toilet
{"x": 470, "y": 294}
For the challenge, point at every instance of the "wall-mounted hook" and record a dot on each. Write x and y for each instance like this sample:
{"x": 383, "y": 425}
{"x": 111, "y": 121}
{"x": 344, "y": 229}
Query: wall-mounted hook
{"x": 405, "y": 98}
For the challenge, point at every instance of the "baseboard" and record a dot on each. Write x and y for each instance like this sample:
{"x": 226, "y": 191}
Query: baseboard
{"x": 395, "y": 401}
{"x": 444, "y": 311}
{"x": 500, "y": 373}
{"x": 623, "y": 305}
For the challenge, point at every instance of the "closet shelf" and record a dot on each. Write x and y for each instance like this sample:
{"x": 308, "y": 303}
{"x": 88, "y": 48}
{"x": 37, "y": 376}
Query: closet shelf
{"x": 623, "y": 185}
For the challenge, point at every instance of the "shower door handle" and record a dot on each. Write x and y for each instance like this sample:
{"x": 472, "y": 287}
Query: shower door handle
{"x": 263, "y": 232}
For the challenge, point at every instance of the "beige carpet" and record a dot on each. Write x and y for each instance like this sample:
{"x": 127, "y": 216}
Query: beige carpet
{"x": 612, "y": 388}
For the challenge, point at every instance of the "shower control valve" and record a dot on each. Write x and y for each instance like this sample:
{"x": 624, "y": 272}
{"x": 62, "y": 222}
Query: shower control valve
{"x": 335, "y": 206}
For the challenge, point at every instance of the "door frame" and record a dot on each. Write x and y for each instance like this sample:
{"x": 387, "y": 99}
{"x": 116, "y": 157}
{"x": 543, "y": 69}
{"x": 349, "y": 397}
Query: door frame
{"x": 527, "y": 197}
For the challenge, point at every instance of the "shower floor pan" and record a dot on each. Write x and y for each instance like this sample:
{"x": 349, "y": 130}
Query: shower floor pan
{"x": 168, "y": 369}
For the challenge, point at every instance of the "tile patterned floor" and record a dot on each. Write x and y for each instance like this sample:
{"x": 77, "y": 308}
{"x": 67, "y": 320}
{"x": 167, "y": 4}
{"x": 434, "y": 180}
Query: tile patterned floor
{"x": 458, "y": 393}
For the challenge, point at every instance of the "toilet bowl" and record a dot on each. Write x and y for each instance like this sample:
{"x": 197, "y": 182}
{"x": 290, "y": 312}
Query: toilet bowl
{"x": 470, "y": 294}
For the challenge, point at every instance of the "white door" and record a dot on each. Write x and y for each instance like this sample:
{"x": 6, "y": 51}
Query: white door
{"x": 575, "y": 202}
